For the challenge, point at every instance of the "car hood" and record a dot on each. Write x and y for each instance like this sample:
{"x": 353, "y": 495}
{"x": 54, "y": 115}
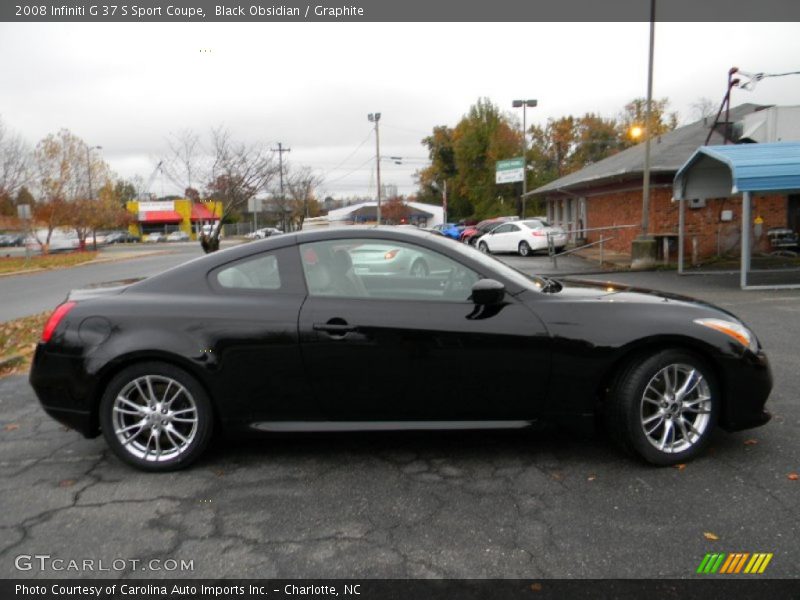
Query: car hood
{"x": 594, "y": 291}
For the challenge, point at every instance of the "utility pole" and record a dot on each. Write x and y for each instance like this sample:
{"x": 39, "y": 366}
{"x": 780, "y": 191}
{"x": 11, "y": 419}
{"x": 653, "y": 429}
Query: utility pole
{"x": 643, "y": 247}
{"x": 444, "y": 202}
{"x": 375, "y": 118}
{"x": 648, "y": 126}
{"x": 280, "y": 150}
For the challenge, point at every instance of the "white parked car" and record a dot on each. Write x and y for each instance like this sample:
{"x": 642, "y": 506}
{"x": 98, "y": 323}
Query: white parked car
{"x": 178, "y": 236}
{"x": 61, "y": 240}
{"x": 154, "y": 237}
{"x": 264, "y": 232}
{"x": 524, "y": 237}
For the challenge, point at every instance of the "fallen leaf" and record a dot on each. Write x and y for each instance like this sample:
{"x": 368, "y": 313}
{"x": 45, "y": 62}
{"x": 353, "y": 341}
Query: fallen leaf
{"x": 66, "y": 483}
{"x": 592, "y": 477}
{"x": 219, "y": 472}
{"x": 710, "y": 536}
{"x": 536, "y": 587}
{"x": 680, "y": 466}
{"x": 793, "y": 476}
{"x": 557, "y": 476}
{"x": 11, "y": 427}
{"x": 750, "y": 442}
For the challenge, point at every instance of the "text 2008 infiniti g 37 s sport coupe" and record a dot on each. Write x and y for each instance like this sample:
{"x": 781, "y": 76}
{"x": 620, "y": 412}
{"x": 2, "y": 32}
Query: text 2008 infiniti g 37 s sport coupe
{"x": 284, "y": 334}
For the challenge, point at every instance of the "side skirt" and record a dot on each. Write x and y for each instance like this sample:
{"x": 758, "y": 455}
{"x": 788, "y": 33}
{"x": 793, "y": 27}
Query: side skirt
{"x": 289, "y": 426}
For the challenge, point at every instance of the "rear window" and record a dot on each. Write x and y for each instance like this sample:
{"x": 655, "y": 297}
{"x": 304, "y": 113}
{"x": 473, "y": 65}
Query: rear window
{"x": 259, "y": 273}
{"x": 537, "y": 224}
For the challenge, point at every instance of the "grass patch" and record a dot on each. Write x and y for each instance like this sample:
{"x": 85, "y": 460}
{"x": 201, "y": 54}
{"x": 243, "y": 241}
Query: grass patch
{"x": 14, "y": 264}
{"x": 18, "y": 338}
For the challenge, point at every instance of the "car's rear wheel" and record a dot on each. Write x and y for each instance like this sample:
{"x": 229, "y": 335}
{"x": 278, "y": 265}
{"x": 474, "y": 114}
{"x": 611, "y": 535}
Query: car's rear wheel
{"x": 664, "y": 407}
{"x": 524, "y": 249}
{"x": 483, "y": 247}
{"x": 156, "y": 417}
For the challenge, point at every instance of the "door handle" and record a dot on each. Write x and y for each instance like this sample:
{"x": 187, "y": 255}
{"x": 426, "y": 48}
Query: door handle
{"x": 334, "y": 327}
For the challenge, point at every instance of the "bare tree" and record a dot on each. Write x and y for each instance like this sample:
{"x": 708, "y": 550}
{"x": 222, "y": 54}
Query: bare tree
{"x": 302, "y": 183}
{"x": 239, "y": 172}
{"x": 703, "y": 108}
{"x": 15, "y": 162}
{"x": 185, "y": 163}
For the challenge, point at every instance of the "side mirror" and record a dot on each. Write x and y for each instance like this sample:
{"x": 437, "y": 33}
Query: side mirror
{"x": 488, "y": 291}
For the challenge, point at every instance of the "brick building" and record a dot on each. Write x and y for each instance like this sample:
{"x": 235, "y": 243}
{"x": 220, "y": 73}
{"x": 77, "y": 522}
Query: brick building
{"x": 609, "y": 194}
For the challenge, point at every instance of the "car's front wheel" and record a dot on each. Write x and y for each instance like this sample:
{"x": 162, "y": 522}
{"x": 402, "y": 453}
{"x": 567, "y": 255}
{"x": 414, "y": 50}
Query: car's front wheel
{"x": 524, "y": 249}
{"x": 483, "y": 247}
{"x": 156, "y": 417}
{"x": 419, "y": 268}
{"x": 664, "y": 407}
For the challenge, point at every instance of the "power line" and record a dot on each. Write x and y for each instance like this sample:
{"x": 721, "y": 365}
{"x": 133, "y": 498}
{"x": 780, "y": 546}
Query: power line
{"x": 370, "y": 159}
{"x": 364, "y": 141}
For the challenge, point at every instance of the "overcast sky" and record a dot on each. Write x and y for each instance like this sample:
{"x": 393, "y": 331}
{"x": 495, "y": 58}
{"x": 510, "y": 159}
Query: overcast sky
{"x": 126, "y": 87}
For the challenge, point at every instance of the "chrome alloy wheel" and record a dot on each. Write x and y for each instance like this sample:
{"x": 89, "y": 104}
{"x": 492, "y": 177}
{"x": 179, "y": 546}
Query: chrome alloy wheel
{"x": 676, "y": 408}
{"x": 155, "y": 418}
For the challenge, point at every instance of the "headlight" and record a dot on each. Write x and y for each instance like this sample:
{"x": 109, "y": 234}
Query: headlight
{"x": 737, "y": 331}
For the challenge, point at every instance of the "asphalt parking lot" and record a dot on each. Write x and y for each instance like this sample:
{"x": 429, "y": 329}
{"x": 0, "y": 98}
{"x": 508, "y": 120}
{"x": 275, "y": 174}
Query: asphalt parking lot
{"x": 459, "y": 505}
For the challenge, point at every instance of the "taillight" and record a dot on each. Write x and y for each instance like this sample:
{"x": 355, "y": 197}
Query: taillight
{"x": 58, "y": 314}
{"x": 391, "y": 254}
{"x": 538, "y": 233}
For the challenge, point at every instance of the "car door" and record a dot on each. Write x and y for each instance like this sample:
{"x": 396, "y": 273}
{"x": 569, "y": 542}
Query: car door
{"x": 386, "y": 346}
{"x": 498, "y": 238}
{"x": 252, "y": 329}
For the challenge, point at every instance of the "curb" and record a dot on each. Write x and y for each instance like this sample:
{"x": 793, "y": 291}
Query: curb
{"x": 94, "y": 261}
{"x": 11, "y": 361}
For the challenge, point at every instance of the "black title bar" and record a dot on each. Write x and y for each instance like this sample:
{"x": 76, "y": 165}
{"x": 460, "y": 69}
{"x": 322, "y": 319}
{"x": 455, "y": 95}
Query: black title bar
{"x": 399, "y": 10}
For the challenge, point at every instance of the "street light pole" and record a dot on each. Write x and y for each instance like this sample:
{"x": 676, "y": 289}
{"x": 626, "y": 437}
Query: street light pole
{"x": 89, "y": 167}
{"x": 524, "y": 104}
{"x": 375, "y": 118}
{"x": 91, "y": 193}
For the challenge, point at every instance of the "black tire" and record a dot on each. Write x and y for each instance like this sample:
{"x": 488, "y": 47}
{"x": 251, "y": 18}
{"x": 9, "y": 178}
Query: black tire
{"x": 484, "y": 247}
{"x": 419, "y": 268}
{"x": 646, "y": 418}
{"x": 524, "y": 249}
{"x": 183, "y": 413}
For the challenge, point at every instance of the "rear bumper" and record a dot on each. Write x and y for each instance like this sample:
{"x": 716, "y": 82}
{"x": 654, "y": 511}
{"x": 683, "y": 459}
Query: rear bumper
{"x": 65, "y": 390}
{"x": 747, "y": 385}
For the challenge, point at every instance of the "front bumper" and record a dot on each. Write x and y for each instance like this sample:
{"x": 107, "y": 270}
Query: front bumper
{"x": 747, "y": 384}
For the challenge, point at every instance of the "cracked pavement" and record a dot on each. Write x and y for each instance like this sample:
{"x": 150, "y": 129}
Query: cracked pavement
{"x": 521, "y": 504}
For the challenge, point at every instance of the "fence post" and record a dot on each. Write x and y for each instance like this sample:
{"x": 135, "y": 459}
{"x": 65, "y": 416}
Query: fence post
{"x": 602, "y": 250}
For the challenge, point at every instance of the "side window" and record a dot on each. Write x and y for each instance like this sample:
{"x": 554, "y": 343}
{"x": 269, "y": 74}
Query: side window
{"x": 252, "y": 273}
{"x": 503, "y": 229}
{"x": 375, "y": 268}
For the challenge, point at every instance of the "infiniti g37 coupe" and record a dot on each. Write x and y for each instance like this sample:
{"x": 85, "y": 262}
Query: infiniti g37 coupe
{"x": 284, "y": 334}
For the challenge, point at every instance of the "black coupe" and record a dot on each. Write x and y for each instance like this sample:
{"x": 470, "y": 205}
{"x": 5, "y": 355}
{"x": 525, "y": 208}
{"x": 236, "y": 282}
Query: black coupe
{"x": 291, "y": 333}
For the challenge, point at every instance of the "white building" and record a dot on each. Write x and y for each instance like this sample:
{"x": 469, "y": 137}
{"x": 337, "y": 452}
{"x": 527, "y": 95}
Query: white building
{"x": 364, "y": 213}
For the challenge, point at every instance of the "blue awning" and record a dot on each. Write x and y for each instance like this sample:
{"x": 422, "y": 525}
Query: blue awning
{"x": 721, "y": 171}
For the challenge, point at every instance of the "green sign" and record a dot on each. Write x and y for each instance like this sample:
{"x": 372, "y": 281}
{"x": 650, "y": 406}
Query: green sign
{"x": 509, "y": 171}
